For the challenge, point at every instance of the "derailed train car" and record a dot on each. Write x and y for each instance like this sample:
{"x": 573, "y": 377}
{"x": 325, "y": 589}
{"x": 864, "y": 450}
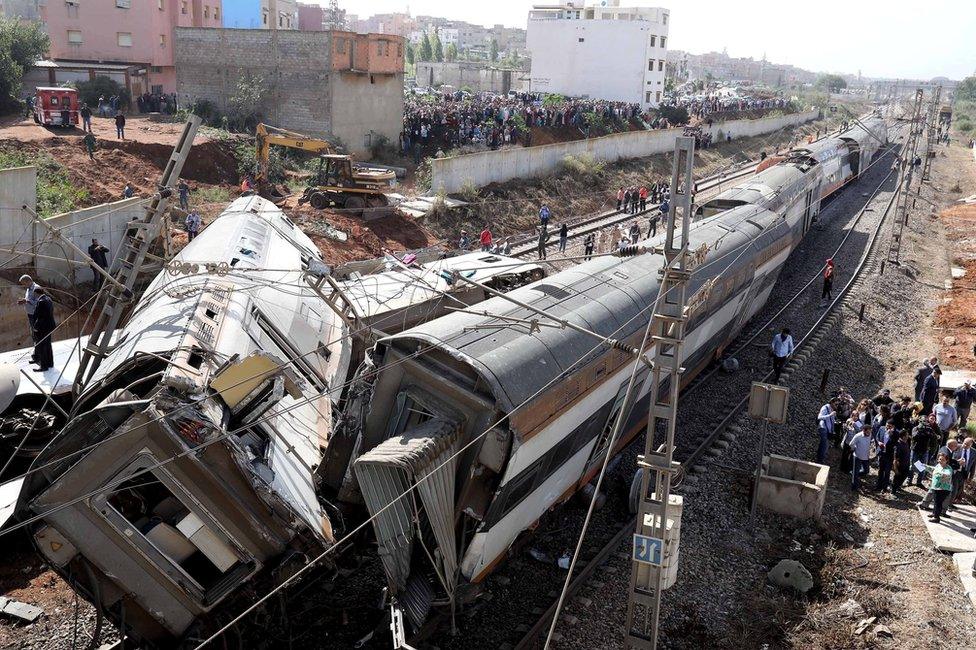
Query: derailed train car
{"x": 193, "y": 463}
{"x": 498, "y": 421}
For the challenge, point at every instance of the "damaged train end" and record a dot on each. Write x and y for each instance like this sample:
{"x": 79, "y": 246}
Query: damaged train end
{"x": 189, "y": 467}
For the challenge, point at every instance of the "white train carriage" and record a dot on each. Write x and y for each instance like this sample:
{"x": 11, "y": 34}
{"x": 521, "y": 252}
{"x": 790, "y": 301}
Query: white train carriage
{"x": 548, "y": 418}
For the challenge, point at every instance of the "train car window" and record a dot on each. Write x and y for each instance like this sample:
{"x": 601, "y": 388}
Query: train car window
{"x": 153, "y": 513}
{"x": 603, "y": 442}
{"x": 521, "y": 487}
{"x": 298, "y": 360}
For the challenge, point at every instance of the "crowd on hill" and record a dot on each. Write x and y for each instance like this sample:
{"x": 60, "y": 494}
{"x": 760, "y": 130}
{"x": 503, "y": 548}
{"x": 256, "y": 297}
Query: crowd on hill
{"x": 912, "y": 439}
{"x": 703, "y": 107}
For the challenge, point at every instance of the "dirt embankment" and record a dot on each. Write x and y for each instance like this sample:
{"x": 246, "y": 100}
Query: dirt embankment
{"x": 512, "y": 207}
{"x": 955, "y": 318}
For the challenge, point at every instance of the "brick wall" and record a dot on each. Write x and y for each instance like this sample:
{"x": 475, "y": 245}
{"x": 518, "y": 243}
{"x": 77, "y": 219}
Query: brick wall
{"x": 306, "y": 95}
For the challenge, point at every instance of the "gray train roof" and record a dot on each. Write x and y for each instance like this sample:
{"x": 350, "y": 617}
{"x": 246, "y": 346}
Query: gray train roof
{"x": 876, "y": 127}
{"x": 604, "y": 295}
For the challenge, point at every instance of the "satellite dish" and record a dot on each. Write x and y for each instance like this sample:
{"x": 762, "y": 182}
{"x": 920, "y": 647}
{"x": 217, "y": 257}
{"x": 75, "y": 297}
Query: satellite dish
{"x": 9, "y": 383}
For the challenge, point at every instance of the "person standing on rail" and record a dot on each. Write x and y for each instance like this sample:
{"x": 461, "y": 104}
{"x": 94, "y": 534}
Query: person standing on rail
{"x": 543, "y": 238}
{"x": 642, "y": 193}
{"x": 781, "y": 350}
{"x": 620, "y": 198}
{"x": 828, "y": 282}
{"x": 588, "y": 243}
{"x": 544, "y": 216}
{"x": 563, "y": 237}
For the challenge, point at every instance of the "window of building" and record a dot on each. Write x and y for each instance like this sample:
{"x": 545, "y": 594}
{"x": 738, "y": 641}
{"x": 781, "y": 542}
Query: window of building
{"x": 162, "y": 40}
{"x": 264, "y": 17}
{"x": 206, "y": 11}
{"x": 124, "y": 39}
{"x": 660, "y": 65}
{"x": 647, "y": 97}
{"x": 664, "y": 41}
{"x": 664, "y": 18}
{"x": 581, "y": 40}
{"x": 123, "y": 4}
{"x": 659, "y": 97}
{"x": 216, "y": 13}
{"x": 155, "y": 69}
{"x": 183, "y": 8}
{"x": 650, "y": 65}
{"x": 653, "y": 40}
{"x": 74, "y": 36}
{"x": 72, "y": 6}
{"x": 340, "y": 46}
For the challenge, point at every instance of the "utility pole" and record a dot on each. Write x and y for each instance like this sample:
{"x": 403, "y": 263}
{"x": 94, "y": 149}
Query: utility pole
{"x": 656, "y": 538}
{"x": 933, "y": 133}
{"x": 906, "y": 170}
{"x": 130, "y": 261}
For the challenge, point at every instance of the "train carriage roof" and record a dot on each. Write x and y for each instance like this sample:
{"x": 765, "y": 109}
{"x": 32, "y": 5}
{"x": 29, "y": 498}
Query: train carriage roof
{"x": 606, "y": 295}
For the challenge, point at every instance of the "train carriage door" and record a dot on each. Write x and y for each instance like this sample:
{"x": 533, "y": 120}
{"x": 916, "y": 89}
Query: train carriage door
{"x": 809, "y": 211}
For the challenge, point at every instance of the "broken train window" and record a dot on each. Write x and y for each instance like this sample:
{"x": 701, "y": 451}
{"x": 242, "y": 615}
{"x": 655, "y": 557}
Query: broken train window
{"x": 152, "y": 511}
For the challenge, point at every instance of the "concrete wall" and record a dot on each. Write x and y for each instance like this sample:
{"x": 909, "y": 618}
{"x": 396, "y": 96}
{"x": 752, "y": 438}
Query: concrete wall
{"x": 304, "y": 93}
{"x": 105, "y": 222}
{"x": 18, "y": 187}
{"x": 476, "y": 76}
{"x": 451, "y": 174}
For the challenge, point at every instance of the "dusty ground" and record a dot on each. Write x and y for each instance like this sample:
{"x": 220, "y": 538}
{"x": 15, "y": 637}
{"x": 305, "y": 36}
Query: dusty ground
{"x": 955, "y": 318}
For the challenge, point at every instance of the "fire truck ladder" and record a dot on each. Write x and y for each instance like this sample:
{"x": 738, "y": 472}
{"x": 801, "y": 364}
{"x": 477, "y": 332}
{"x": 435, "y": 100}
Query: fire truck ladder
{"x": 130, "y": 261}
{"x": 656, "y": 512}
{"x": 907, "y": 170}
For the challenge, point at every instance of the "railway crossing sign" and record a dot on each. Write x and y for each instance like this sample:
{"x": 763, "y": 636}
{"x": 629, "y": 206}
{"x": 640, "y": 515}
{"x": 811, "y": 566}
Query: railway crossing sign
{"x": 648, "y": 550}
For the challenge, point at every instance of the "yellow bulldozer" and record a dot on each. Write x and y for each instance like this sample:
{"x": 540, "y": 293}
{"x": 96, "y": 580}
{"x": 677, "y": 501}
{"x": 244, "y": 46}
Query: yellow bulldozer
{"x": 338, "y": 181}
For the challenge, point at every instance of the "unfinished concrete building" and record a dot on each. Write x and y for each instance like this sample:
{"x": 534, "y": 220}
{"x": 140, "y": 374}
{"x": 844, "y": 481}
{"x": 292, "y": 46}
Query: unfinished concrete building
{"x": 333, "y": 84}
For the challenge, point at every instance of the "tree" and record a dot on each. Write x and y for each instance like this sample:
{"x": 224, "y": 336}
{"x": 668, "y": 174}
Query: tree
{"x": 247, "y": 103}
{"x": 101, "y": 86}
{"x": 410, "y": 54}
{"x": 452, "y": 53}
{"x": 21, "y": 44}
{"x": 494, "y": 50}
{"x": 833, "y": 83}
{"x": 426, "y": 50}
{"x": 966, "y": 91}
{"x": 438, "y": 48}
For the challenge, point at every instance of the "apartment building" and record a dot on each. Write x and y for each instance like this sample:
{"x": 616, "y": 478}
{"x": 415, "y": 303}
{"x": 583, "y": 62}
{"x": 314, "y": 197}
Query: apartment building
{"x": 130, "y": 41}
{"x": 261, "y": 14}
{"x": 600, "y": 51}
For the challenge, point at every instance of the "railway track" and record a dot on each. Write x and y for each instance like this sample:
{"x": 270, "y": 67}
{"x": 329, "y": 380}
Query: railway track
{"x": 724, "y": 431}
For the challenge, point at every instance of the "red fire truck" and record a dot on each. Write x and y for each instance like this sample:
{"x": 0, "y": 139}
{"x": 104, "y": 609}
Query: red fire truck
{"x": 56, "y": 107}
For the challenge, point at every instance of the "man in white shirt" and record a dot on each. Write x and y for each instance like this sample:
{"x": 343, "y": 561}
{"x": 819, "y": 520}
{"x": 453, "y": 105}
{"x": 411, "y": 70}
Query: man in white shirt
{"x": 782, "y": 349}
{"x": 825, "y": 428}
{"x": 945, "y": 415}
{"x": 861, "y": 448}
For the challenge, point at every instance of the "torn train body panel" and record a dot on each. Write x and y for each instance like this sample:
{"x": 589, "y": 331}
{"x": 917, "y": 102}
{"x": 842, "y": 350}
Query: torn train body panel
{"x": 189, "y": 466}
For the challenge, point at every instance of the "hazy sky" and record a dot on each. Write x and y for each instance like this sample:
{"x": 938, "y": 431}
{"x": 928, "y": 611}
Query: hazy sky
{"x": 895, "y": 38}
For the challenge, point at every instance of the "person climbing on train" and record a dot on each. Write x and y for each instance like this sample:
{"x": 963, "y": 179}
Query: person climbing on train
{"x": 828, "y": 282}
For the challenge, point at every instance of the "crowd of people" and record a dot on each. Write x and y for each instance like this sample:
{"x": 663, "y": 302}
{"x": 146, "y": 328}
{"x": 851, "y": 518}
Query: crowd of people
{"x": 711, "y": 105}
{"x": 912, "y": 439}
{"x": 157, "y": 103}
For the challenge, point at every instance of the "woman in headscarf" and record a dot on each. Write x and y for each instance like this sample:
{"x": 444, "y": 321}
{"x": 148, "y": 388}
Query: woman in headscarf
{"x": 828, "y": 280}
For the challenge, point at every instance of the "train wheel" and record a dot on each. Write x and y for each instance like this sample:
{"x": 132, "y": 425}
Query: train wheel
{"x": 634, "y": 499}
{"x": 319, "y": 201}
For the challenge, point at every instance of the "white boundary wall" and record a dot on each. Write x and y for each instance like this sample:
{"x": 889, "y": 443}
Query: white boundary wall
{"x": 479, "y": 169}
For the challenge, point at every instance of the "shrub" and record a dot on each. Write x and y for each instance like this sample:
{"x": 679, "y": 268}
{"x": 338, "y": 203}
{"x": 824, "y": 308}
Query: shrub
{"x": 246, "y": 105}
{"x": 468, "y": 192}
{"x": 674, "y": 114}
{"x": 382, "y": 150}
{"x": 582, "y": 166}
{"x": 247, "y": 161}
{"x": 55, "y": 191}
{"x": 90, "y": 91}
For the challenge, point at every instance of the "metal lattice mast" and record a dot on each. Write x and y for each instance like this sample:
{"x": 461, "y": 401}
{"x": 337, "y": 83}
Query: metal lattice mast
{"x": 933, "y": 133}
{"x": 907, "y": 167}
{"x": 130, "y": 261}
{"x": 647, "y": 580}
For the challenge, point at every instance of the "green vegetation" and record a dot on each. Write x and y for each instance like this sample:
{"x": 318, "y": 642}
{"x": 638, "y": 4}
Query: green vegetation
{"x": 426, "y": 52}
{"x": 833, "y": 83}
{"x": 494, "y": 50}
{"x": 21, "y": 44}
{"x": 964, "y": 108}
{"x": 582, "y": 166}
{"x": 451, "y": 54}
{"x": 90, "y": 91}
{"x": 212, "y": 194}
{"x": 410, "y": 54}
{"x": 55, "y": 191}
{"x": 247, "y": 161}
{"x": 438, "y": 47}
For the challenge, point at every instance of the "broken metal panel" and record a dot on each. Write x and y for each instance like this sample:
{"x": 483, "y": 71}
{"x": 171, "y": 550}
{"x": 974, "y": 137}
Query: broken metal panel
{"x": 425, "y": 455}
{"x": 241, "y": 380}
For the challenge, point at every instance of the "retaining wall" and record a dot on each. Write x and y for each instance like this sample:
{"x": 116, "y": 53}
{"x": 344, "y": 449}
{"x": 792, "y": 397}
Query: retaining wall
{"x": 105, "y": 222}
{"x": 18, "y": 187}
{"x": 451, "y": 174}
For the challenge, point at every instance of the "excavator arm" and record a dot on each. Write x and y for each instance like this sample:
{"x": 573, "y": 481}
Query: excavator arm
{"x": 266, "y": 136}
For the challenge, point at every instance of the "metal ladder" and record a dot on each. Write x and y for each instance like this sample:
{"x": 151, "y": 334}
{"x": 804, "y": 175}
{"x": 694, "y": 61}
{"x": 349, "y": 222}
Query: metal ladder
{"x": 130, "y": 261}
{"x": 668, "y": 323}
